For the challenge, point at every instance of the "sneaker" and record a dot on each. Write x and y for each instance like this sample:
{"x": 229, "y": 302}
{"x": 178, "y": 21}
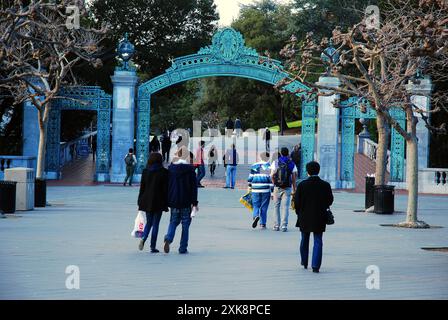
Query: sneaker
{"x": 315, "y": 270}
{"x": 166, "y": 247}
{"x": 262, "y": 226}
{"x": 141, "y": 244}
{"x": 276, "y": 228}
{"x": 154, "y": 251}
{"x": 254, "y": 224}
{"x": 284, "y": 229}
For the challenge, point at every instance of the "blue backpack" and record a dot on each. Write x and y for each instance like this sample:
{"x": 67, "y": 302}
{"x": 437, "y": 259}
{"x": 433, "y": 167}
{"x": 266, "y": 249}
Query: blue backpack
{"x": 282, "y": 176}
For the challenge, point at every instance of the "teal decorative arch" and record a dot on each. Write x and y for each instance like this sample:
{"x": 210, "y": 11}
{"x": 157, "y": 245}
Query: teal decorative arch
{"x": 226, "y": 56}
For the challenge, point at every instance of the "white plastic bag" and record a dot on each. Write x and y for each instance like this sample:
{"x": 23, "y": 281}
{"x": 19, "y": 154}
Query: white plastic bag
{"x": 139, "y": 225}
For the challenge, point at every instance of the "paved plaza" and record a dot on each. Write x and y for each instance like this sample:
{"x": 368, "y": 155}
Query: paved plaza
{"x": 90, "y": 227}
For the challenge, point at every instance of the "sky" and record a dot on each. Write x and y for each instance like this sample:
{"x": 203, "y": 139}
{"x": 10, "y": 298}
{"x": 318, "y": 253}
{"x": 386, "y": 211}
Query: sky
{"x": 229, "y": 9}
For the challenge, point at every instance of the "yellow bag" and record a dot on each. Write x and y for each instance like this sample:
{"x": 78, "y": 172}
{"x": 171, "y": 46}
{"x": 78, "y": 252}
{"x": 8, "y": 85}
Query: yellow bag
{"x": 246, "y": 201}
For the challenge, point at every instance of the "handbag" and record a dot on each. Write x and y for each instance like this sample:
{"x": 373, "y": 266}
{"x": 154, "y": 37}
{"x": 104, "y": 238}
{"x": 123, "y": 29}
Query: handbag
{"x": 329, "y": 218}
{"x": 139, "y": 225}
{"x": 246, "y": 200}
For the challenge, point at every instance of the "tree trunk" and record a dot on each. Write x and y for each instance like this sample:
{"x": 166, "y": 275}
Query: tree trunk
{"x": 412, "y": 176}
{"x": 381, "y": 152}
{"x": 40, "y": 170}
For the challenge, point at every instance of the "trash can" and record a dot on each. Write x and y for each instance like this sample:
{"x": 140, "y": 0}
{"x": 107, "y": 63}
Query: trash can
{"x": 40, "y": 193}
{"x": 384, "y": 197}
{"x": 24, "y": 188}
{"x": 8, "y": 196}
{"x": 370, "y": 182}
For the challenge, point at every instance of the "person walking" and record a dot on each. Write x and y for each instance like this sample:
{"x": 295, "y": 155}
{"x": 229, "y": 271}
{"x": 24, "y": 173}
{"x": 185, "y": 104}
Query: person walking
{"x": 296, "y": 155}
{"x": 131, "y": 161}
{"x": 284, "y": 175}
{"x": 153, "y": 198}
{"x": 212, "y": 159}
{"x": 267, "y": 139}
{"x": 229, "y": 127}
{"x": 182, "y": 198}
{"x": 238, "y": 127}
{"x": 93, "y": 146}
{"x": 312, "y": 199}
{"x": 166, "y": 146}
{"x": 231, "y": 160}
{"x": 200, "y": 164}
{"x": 261, "y": 186}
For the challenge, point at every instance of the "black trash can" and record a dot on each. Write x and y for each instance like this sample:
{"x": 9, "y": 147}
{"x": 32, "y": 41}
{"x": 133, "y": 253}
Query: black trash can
{"x": 8, "y": 196}
{"x": 40, "y": 193}
{"x": 370, "y": 182}
{"x": 384, "y": 198}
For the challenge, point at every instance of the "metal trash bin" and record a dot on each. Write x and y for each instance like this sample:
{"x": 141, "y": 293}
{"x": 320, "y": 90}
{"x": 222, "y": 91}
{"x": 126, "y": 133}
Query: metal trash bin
{"x": 370, "y": 182}
{"x": 40, "y": 193}
{"x": 24, "y": 188}
{"x": 8, "y": 196}
{"x": 384, "y": 198}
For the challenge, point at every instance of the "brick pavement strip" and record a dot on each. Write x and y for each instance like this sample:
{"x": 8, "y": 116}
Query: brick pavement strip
{"x": 89, "y": 227}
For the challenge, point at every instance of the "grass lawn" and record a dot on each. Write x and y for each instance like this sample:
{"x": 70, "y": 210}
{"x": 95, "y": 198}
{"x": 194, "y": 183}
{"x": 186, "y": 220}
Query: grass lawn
{"x": 291, "y": 125}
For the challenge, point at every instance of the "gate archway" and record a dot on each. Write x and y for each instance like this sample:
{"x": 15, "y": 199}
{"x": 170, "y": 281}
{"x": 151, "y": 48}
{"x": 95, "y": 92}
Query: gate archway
{"x": 226, "y": 56}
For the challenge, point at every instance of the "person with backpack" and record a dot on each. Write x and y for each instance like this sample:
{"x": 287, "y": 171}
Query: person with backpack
{"x": 153, "y": 198}
{"x": 131, "y": 161}
{"x": 284, "y": 175}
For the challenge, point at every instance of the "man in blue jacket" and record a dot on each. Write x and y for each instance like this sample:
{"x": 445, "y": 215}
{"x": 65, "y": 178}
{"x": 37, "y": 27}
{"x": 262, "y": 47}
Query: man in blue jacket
{"x": 182, "y": 198}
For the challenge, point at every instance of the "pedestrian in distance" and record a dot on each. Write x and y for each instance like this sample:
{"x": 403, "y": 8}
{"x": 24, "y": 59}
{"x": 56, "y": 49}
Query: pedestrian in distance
{"x": 130, "y": 161}
{"x": 312, "y": 200}
{"x": 238, "y": 128}
{"x": 166, "y": 146}
{"x": 229, "y": 127}
{"x": 261, "y": 187}
{"x": 231, "y": 160}
{"x": 153, "y": 198}
{"x": 200, "y": 163}
{"x": 283, "y": 175}
{"x": 155, "y": 144}
{"x": 267, "y": 139}
{"x": 212, "y": 159}
{"x": 182, "y": 198}
{"x": 296, "y": 155}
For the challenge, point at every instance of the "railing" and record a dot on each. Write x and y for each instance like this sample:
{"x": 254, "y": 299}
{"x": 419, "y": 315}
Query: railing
{"x": 72, "y": 149}
{"x": 370, "y": 149}
{"x": 7, "y": 162}
{"x": 433, "y": 180}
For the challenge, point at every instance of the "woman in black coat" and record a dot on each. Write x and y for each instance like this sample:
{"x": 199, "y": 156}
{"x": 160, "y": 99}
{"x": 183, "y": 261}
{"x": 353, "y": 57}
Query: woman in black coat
{"x": 153, "y": 197}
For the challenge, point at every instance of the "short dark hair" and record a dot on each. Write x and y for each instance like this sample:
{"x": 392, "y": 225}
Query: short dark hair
{"x": 313, "y": 168}
{"x": 131, "y": 150}
{"x": 284, "y": 152}
{"x": 155, "y": 158}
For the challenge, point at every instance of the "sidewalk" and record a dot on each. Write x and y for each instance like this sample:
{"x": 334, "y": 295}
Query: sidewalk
{"x": 90, "y": 227}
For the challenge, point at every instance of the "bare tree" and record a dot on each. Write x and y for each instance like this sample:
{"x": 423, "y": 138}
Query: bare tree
{"x": 40, "y": 42}
{"x": 377, "y": 62}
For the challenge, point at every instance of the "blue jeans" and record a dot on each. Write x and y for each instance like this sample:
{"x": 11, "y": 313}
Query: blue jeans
{"x": 317, "y": 249}
{"x": 178, "y": 216}
{"x": 260, "y": 203}
{"x": 230, "y": 177}
{"x": 201, "y": 173}
{"x": 280, "y": 195}
{"x": 152, "y": 222}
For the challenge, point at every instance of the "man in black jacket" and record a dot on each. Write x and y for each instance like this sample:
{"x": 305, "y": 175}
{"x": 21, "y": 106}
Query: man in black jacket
{"x": 182, "y": 198}
{"x": 313, "y": 198}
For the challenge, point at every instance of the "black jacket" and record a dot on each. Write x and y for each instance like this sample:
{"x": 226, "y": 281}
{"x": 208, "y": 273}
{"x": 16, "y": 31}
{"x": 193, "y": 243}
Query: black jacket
{"x": 182, "y": 186}
{"x": 153, "y": 195}
{"x": 313, "y": 197}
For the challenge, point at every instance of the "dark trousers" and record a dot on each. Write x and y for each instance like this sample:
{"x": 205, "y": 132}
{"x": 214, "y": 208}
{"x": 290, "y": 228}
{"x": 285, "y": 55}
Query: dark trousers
{"x": 152, "y": 222}
{"x": 317, "y": 249}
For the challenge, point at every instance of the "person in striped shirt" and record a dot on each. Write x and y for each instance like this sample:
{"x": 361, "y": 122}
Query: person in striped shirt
{"x": 260, "y": 184}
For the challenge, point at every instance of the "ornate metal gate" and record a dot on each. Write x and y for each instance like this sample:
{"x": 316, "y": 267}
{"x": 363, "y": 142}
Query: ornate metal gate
{"x": 91, "y": 98}
{"x": 226, "y": 56}
{"x": 351, "y": 110}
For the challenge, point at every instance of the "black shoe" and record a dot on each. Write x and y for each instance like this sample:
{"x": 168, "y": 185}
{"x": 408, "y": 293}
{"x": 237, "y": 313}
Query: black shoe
{"x": 200, "y": 186}
{"x": 124, "y": 184}
{"x": 183, "y": 252}
{"x": 154, "y": 251}
{"x": 304, "y": 266}
{"x": 256, "y": 219}
{"x": 315, "y": 270}
{"x": 141, "y": 244}
{"x": 225, "y": 187}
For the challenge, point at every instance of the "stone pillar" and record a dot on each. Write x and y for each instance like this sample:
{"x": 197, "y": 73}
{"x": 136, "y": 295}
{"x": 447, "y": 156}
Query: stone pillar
{"x": 328, "y": 133}
{"x": 30, "y": 130}
{"x": 421, "y": 97}
{"x": 123, "y": 121}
